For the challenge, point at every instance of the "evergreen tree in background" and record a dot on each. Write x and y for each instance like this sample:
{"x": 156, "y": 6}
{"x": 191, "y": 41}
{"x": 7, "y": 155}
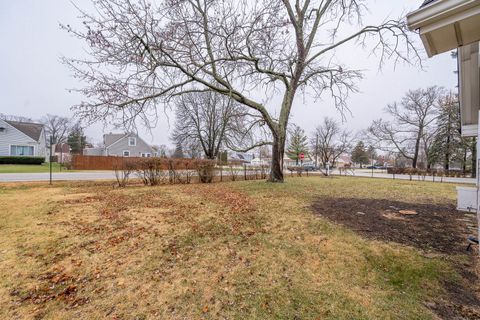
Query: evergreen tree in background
{"x": 76, "y": 139}
{"x": 178, "y": 154}
{"x": 359, "y": 154}
{"x": 298, "y": 144}
{"x": 448, "y": 143}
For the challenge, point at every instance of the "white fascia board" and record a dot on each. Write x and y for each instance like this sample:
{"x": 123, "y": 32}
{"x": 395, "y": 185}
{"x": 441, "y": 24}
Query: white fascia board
{"x": 438, "y": 11}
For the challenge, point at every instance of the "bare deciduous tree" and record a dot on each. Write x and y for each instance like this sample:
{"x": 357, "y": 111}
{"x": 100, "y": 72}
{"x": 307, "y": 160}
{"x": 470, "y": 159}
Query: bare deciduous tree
{"x": 10, "y": 117}
{"x": 412, "y": 128}
{"x": 57, "y": 127}
{"x": 210, "y": 121}
{"x": 329, "y": 141}
{"x": 143, "y": 54}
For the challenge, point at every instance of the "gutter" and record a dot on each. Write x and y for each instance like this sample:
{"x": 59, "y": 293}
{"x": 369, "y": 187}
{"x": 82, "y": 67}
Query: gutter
{"x": 437, "y": 11}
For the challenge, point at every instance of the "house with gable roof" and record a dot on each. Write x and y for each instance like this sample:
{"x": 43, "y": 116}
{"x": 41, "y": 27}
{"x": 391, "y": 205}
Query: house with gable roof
{"x": 22, "y": 139}
{"x": 122, "y": 145}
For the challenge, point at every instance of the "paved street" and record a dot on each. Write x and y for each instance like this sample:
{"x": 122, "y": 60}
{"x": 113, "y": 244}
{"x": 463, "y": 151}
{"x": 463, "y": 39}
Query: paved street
{"x": 108, "y": 175}
{"x": 383, "y": 175}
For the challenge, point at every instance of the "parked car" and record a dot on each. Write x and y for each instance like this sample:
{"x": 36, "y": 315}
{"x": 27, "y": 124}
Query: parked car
{"x": 309, "y": 167}
{"x": 378, "y": 167}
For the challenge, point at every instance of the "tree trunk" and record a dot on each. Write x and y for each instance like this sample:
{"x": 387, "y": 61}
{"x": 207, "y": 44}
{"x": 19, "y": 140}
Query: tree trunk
{"x": 278, "y": 148}
{"x": 447, "y": 153}
{"x": 474, "y": 158}
{"x": 417, "y": 150}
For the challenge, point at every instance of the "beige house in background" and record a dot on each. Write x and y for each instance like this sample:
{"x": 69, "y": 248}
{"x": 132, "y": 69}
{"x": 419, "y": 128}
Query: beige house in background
{"x": 122, "y": 145}
{"x": 446, "y": 25}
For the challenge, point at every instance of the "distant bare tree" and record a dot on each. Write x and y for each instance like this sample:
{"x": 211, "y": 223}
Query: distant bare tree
{"x": 413, "y": 126}
{"x": 15, "y": 118}
{"x": 192, "y": 149}
{"x": 210, "y": 121}
{"x": 330, "y": 141}
{"x": 144, "y": 53}
{"x": 161, "y": 150}
{"x": 57, "y": 127}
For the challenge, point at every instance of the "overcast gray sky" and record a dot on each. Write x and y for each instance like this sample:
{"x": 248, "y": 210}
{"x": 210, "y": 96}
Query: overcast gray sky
{"x": 33, "y": 82}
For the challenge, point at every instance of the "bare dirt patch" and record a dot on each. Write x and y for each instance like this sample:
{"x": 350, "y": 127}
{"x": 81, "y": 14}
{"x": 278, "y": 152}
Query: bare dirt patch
{"x": 430, "y": 227}
{"x": 438, "y": 229}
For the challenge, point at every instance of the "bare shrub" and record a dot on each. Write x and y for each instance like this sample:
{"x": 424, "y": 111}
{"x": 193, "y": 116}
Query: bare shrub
{"x": 123, "y": 171}
{"x": 233, "y": 172}
{"x": 205, "y": 170}
{"x": 150, "y": 170}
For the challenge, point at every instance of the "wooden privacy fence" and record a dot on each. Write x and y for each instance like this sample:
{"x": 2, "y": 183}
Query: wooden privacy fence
{"x": 80, "y": 162}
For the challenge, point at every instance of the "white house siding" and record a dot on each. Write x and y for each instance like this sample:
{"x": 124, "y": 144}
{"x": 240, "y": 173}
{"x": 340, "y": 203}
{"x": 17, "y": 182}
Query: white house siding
{"x": 42, "y": 145}
{"x": 12, "y": 136}
{"x": 117, "y": 148}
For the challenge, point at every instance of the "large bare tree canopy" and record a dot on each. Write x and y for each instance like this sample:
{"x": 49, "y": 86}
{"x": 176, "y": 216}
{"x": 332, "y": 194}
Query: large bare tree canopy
{"x": 330, "y": 141}
{"x": 211, "y": 121}
{"x": 413, "y": 126}
{"x": 142, "y": 54}
{"x": 57, "y": 127}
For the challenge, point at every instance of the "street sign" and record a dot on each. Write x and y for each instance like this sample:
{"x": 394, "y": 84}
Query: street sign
{"x": 302, "y": 156}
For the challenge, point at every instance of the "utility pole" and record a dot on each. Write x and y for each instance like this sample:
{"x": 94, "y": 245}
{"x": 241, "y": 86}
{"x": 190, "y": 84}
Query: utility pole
{"x": 371, "y": 155}
{"x": 316, "y": 149}
{"x": 51, "y": 158}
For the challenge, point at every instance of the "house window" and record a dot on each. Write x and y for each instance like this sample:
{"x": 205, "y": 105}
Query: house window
{"x": 132, "y": 141}
{"x": 126, "y": 153}
{"x": 146, "y": 155}
{"x": 21, "y": 150}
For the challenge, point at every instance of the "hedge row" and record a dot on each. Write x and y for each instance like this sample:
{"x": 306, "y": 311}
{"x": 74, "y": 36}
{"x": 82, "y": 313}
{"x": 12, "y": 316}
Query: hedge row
{"x": 428, "y": 172}
{"x": 21, "y": 160}
{"x": 154, "y": 171}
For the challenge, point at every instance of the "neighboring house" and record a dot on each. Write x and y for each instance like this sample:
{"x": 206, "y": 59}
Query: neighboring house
{"x": 343, "y": 160}
{"x": 122, "y": 145}
{"x": 240, "y": 157}
{"x": 62, "y": 152}
{"x": 445, "y": 25}
{"x": 22, "y": 139}
{"x": 261, "y": 162}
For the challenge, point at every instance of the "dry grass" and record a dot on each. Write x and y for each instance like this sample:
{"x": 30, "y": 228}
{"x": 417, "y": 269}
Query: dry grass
{"x": 232, "y": 250}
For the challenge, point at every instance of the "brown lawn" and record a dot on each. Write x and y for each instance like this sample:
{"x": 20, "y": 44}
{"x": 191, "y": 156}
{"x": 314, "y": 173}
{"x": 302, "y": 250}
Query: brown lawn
{"x": 238, "y": 250}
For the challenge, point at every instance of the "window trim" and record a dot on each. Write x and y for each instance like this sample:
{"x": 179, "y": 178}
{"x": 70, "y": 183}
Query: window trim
{"x": 20, "y": 145}
{"x": 126, "y": 151}
{"x": 134, "y": 142}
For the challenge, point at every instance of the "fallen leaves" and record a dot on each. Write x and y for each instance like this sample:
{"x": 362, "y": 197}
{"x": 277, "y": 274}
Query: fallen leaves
{"x": 56, "y": 284}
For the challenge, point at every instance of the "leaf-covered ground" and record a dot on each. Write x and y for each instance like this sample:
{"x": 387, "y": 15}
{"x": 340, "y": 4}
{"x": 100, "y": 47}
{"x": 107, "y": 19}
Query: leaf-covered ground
{"x": 239, "y": 250}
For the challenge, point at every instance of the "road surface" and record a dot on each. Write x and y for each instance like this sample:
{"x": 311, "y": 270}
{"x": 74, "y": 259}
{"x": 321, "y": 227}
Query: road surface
{"x": 110, "y": 175}
{"x": 383, "y": 175}
{"x": 45, "y": 176}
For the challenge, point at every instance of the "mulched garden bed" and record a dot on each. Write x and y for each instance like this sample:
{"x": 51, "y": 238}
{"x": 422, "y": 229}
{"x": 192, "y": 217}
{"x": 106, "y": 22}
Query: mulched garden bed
{"x": 438, "y": 229}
